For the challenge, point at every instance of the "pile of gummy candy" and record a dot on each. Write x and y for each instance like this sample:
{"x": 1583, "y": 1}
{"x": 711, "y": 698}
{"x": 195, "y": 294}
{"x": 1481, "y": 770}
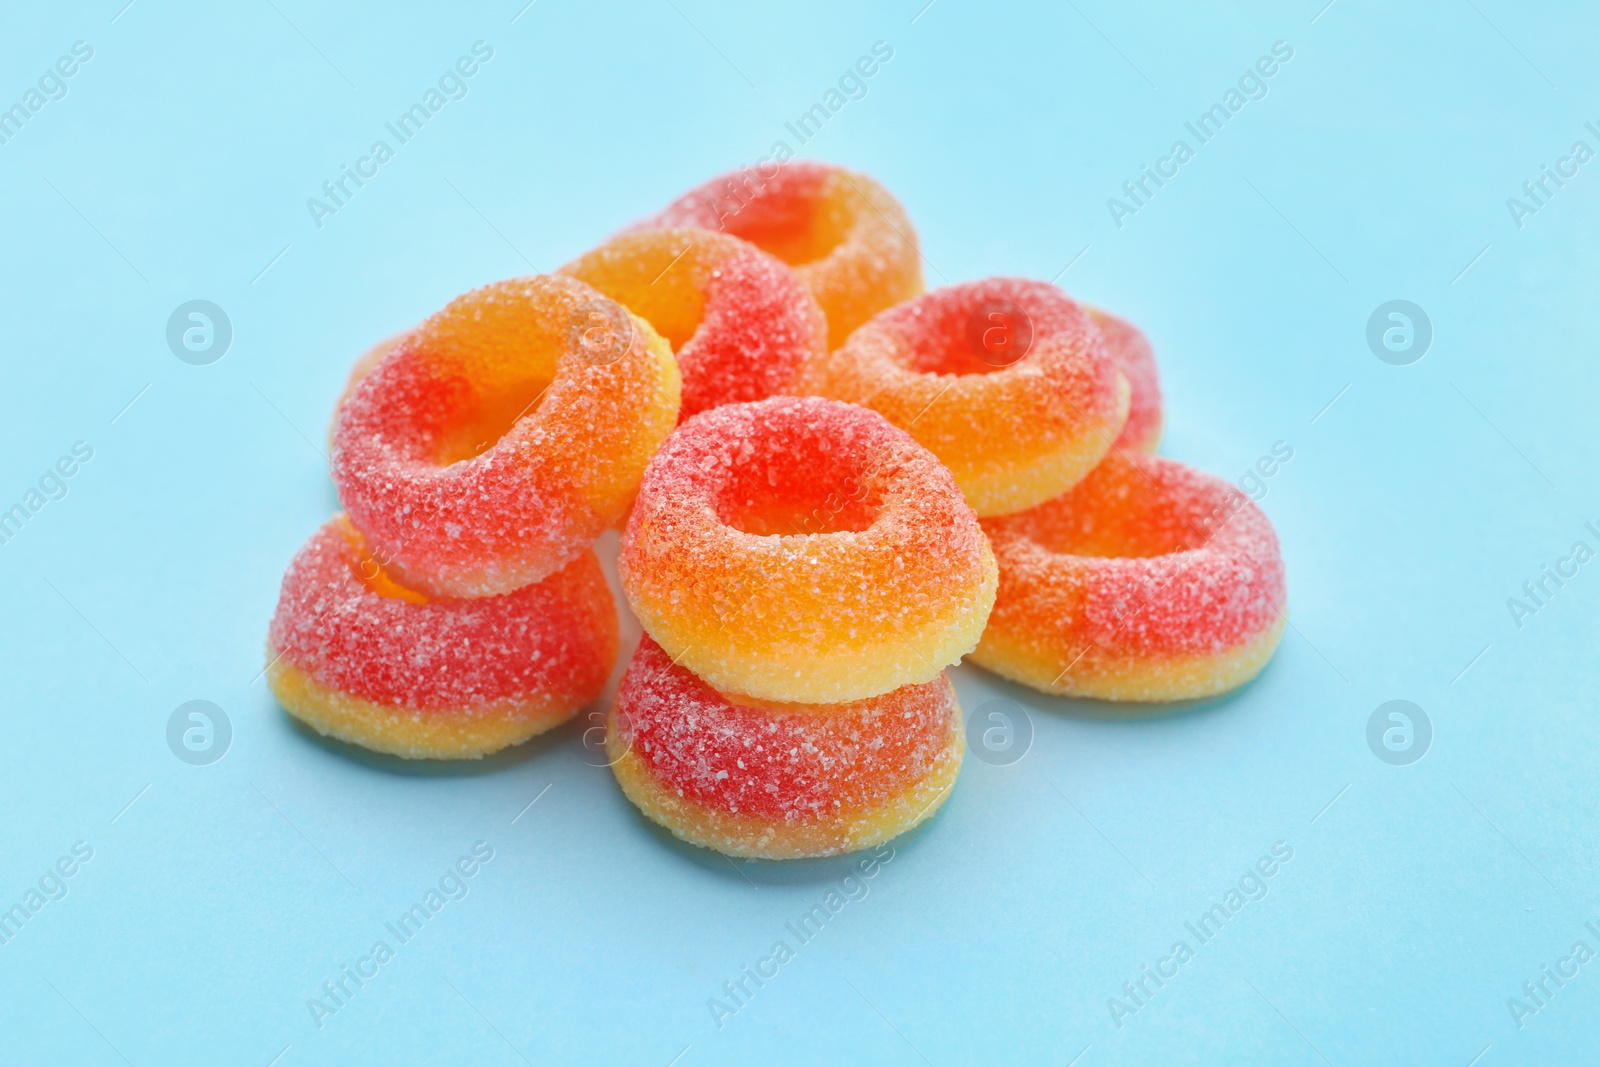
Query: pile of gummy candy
{"x": 830, "y": 484}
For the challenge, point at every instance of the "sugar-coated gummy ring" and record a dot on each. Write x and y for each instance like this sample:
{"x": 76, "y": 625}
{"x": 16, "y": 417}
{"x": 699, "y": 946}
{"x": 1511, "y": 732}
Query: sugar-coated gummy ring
{"x": 738, "y": 320}
{"x": 362, "y": 367}
{"x": 805, "y": 550}
{"x": 1006, "y": 380}
{"x": 1130, "y": 349}
{"x": 845, "y": 235}
{"x": 500, "y": 437}
{"x": 359, "y": 657}
{"x": 1149, "y": 581}
{"x": 780, "y": 781}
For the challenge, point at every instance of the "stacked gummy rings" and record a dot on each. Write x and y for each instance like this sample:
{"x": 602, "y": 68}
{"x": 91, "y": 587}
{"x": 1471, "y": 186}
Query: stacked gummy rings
{"x": 775, "y": 781}
{"x": 456, "y": 607}
{"x": 849, "y": 241}
{"x": 832, "y": 486}
{"x": 1007, "y": 381}
{"x": 804, "y": 571}
{"x": 500, "y": 437}
{"x": 739, "y": 321}
{"x": 1122, "y": 576}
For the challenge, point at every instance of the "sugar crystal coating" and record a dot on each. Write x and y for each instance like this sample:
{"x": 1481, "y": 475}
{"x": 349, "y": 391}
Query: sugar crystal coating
{"x": 848, "y": 238}
{"x": 740, "y": 323}
{"x": 1130, "y": 349}
{"x": 1149, "y": 580}
{"x": 343, "y": 619}
{"x": 805, "y": 550}
{"x": 499, "y": 438}
{"x": 362, "y": 367}
{"x": 1018, "y": 424}
{"x": 789, "y": 763}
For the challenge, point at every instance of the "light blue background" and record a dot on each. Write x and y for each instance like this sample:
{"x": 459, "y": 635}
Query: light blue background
{"x": 1378, "y": 167}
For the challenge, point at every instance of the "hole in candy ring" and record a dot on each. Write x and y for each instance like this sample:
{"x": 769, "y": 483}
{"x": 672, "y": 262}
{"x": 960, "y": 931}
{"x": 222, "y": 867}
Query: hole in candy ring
{"x": 999, "y": 332}
{"x": 601, "y": 331}
{"x": 800, "y": 485}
